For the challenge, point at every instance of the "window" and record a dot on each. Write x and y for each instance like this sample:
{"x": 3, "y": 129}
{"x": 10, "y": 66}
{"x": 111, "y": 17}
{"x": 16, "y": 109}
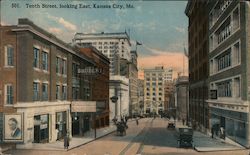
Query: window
{"x": 236, "y": 53}
{"x": 9, "y": 94}
{"x": 237, "y": 87}
{"x": 75, "y": 91}
{"x": 45, "y": 61}
{"x": 63, "y": 67}
{"x": 45, "y": 92}
{"x": 224, "y": 60}
{"x": 57, "y": 92}
{"x": 35, "y": 91}
{"x": 211, "y": 67}
{"x": 57, "y": 65}
{"x": 225, "y": 88}
{"x": 9, "y": 60}
{"x": 75, "y": 68}
{"x": 36, "y": 57}
{"x": 64, "y": 92}
{"x": 236, "y": 19}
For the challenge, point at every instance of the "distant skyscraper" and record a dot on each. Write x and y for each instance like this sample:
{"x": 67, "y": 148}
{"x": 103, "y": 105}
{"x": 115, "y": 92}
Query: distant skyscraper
{"x": 154, "y": 81}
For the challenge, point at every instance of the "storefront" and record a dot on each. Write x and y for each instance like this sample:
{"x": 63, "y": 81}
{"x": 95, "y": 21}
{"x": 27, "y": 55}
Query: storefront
{"x": 81, "y": 123}
{"x": 82, "y": 116}
{"x": 41, "y": 128}
{"x": 234, "y": 123}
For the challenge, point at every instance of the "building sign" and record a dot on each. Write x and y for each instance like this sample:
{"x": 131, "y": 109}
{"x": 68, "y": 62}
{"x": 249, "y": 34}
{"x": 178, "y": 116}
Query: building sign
{"x": 13, "y": 128}
{"x": 83, "y": 106}
{"x": 213, "y": 94}
{"x": 90, "y": 71}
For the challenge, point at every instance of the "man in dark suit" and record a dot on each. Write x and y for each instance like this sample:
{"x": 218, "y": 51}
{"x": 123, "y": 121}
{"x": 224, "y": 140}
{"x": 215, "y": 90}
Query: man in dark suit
{"x": 15, "y": 132}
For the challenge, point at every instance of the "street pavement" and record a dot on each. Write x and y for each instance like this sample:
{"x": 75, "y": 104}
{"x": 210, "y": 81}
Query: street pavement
{"x": 150, "y": 137}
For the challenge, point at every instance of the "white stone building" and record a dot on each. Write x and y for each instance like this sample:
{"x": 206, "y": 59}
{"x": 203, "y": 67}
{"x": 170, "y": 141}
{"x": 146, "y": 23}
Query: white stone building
{"x": 154, "y": 80}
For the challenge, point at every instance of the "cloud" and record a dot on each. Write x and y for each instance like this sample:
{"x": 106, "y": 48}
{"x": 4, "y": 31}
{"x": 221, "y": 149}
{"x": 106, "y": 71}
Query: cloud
{"x": 180, "y": 29}
{"x": 94, "y": 26}
{"x": 55, "y": 30}
{"x": 155, "y": 51}
{"x": 63, "y": 22}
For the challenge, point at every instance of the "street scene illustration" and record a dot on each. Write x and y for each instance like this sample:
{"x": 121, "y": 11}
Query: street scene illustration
{"x": 122, "y": 77}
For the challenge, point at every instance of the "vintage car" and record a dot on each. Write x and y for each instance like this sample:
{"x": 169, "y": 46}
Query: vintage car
{"x": 185, "y": 137}
{"x": 121, "y": 128}
{"x": 171, "y": 125}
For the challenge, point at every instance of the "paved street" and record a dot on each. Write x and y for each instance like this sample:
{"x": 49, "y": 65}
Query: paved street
{"x": 149, "y": 137}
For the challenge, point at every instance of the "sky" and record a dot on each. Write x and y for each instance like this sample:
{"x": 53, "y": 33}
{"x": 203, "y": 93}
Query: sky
{"x": 161, "y": 26}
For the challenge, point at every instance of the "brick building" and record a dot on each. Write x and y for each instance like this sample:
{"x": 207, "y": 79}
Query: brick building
{"x": 40, "y": 86}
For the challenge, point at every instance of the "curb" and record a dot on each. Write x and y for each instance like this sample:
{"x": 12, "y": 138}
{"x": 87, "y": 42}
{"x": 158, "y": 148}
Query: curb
{"x": 216, "y": 150}
{"x": 90, "y": 141}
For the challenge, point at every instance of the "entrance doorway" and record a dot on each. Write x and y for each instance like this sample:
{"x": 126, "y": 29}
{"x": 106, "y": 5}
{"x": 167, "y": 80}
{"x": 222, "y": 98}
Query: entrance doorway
{"x": 41, "y": 129}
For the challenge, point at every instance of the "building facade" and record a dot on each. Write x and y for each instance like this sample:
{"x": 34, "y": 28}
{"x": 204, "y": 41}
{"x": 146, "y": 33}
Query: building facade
{"x": 115, "y": 46}
{"x": 168, "y": 92}
{"x": 141, "y": 96}
{"x": 41, "y": 91}
{"x": 229, "y": 46}
{"x": 133, "y": 84}
{"x": 182, "y": 106}
{"x": 99, "y": 74}
{"x": 198, "y": 63}
{"x": 154, "y": 81}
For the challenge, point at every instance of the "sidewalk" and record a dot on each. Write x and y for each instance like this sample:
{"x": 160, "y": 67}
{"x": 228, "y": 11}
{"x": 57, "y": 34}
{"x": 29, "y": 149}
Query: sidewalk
{"x": 204, "y": 143}
{"x": 74, "y": 142}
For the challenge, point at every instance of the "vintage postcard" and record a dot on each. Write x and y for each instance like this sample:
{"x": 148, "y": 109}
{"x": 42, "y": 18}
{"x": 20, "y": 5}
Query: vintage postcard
{"x": 116, "y": 77}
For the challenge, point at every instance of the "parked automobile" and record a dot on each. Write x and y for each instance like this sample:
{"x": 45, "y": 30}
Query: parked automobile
{"x": 185, "y": 137}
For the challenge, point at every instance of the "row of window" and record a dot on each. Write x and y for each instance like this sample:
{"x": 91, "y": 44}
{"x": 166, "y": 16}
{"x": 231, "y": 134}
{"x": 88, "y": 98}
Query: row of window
{"x": 36, "y": 61}
{"x": 226, "y": 29}
{"x": 220, "y": 7}
{"x": 154, "y": 94}
{"x": 228, "y": 88}
{"x": 228, "y": 58}
{"x": 160, "y": 89}
{"x": 154, "y": 83}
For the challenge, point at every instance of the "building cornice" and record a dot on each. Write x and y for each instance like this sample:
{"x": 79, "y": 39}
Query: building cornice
{"x": 49, "y": 37}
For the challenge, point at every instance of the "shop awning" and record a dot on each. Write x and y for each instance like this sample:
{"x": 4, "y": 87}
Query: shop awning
{"x": 83, "y": 106}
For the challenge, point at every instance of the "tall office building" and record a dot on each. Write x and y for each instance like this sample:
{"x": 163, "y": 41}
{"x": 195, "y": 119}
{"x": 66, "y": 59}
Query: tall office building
{"x": 115, "y": 46}
{"x": 229, "y": 78}
{"x": 198, "y": 63}
{"x": 154, "y": 82}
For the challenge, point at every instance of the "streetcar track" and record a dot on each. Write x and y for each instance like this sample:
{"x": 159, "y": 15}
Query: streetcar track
{"x": 143, "y": 131}
{"x": 137, "y": 138}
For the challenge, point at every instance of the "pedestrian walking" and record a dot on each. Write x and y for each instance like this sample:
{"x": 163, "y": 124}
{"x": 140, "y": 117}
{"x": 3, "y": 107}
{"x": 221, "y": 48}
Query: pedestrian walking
{"x": 66, "y": 142}
{"x": 183, "y": 121}
{"x": 137, "y": 121}
{"x": 212, "y": 132}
